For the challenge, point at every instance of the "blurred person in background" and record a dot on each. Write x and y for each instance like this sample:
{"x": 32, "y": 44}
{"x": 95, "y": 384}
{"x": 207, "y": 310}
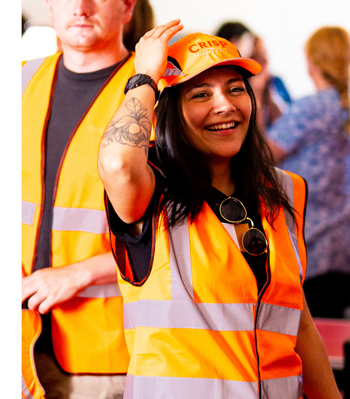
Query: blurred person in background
{"x": 141, "y": 22}
{"x": 69, "y": 273}
{"x": 24, "y": 22}
{"x": 271, "y": 94}
{"x": 312, "y": 140}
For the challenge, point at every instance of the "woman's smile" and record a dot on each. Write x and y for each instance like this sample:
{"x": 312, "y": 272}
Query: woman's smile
{"x": 217, "y": 108}
{"x": 222, "y": 127}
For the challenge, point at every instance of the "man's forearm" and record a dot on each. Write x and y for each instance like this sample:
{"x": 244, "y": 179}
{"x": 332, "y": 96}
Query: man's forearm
{"x": 100, "y": 269}
{"x": 48, "y": 287}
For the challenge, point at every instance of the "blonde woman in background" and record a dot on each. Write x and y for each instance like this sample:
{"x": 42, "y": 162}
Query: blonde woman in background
{"x": 312, "y": 140}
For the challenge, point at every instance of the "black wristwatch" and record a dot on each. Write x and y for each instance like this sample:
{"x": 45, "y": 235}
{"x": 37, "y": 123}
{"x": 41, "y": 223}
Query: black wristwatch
{"x": 139, "y": 80}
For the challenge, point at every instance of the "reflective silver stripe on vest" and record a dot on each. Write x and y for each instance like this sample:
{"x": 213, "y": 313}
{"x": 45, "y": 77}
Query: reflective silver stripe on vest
{"x": 28, "y": 210}
{"x": 180, "y": 263}
{"x": 80, "y": 219}
{"x": 25, "y": 390}
{"x": 28, "y": 71}
{"x": 286, "y": 388}
{"x": 287, "y": 184}
{"x": 101, "y": 291}
{"x": 142, "y": 387}
{"x": 176, "y": 314}
{"x": 279, "y": 319}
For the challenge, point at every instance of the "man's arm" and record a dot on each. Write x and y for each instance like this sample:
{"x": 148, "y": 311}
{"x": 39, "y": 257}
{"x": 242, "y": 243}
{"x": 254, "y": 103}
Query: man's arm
{"x": 48, "y": 287}
{"x": 319, "y": 382}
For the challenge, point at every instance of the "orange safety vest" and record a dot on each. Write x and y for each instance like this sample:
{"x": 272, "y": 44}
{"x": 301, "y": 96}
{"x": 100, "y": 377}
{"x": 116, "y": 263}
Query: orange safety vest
{"x": 87, "y": 331}
{"x": 31, "y": 387}
{"x": 197, "y": 328}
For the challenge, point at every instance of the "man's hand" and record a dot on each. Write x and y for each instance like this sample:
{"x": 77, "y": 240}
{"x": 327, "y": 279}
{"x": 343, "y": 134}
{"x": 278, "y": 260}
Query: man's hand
{"x": 48, "y": 287}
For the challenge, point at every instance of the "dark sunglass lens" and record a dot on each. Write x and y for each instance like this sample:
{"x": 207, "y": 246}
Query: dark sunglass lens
{"x": 254, "y": 242}
{"x": 232, "y": 210}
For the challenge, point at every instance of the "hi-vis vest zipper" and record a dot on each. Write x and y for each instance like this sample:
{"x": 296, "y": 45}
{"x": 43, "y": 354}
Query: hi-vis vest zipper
{"x": 87, "y": 331}
{"x": 197, "y": 329}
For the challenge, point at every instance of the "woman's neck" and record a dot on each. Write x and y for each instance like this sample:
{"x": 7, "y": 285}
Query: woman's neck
{"x": 316, "y": 75}
{"x": 321, "y": 83}
{"x": 222, "y": 179}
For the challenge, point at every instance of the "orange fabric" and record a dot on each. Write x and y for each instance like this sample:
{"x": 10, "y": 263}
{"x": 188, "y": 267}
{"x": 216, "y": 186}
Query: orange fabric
{"x": 219, "y": 275}
{"x": 197, "y": 52}
{"x": 88, "y": 335}
{"x": 31, "y": 329}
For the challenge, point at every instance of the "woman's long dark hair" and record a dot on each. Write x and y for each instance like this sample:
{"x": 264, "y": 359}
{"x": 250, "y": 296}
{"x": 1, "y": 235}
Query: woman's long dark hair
{"x": 187, "y": 177}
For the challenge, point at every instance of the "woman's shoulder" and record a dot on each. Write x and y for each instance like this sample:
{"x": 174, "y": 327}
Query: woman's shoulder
{"x": 317, "y": 101}
{"x": 305, "y": 102}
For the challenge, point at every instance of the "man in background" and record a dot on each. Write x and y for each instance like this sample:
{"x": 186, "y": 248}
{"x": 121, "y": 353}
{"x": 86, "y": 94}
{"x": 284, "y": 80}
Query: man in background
{"x": 69, "y": 273}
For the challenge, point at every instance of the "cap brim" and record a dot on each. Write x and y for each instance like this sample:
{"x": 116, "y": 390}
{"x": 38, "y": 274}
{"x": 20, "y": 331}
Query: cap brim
{"x": 250, "y": 65}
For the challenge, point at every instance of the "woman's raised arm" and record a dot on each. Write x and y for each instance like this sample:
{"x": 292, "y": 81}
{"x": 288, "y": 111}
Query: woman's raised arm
{"x": 128, "y": 179}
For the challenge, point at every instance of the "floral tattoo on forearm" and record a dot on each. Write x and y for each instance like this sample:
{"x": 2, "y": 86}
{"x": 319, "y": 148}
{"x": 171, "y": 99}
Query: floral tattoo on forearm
{"x": 133, "y": 130}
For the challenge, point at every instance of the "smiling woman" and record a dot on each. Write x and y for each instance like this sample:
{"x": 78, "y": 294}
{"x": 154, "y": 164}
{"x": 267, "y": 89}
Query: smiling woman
{"x": 197, "y": 274}
{"x": 216, "y": 108}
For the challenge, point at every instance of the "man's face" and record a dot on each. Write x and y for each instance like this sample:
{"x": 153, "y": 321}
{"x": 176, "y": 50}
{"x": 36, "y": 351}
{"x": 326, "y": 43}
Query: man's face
{"x": 86, "y": 25}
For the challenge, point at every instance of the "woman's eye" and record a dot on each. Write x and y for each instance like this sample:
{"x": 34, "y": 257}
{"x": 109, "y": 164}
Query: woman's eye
{"x": 236, "y": 89}
{"x": 200, "y": 95}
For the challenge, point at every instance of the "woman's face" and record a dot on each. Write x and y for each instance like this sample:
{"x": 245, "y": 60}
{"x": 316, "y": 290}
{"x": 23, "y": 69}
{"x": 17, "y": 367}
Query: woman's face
{"x": 217, "y": 108}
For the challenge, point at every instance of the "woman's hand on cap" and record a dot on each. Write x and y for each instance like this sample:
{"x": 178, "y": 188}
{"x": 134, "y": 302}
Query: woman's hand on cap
{"x": 152, "y": 49}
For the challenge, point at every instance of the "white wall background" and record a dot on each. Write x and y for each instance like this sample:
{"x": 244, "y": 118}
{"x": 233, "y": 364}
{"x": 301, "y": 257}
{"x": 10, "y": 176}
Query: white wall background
{"x": 285, "y": 25}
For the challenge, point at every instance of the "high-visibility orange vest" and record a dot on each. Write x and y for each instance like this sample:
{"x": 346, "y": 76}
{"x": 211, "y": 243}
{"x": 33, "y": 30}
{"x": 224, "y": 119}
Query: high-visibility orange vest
{"x": 87, "y": 331}
{"x": 31, "y": 387}
{"x": 197, "y": 328}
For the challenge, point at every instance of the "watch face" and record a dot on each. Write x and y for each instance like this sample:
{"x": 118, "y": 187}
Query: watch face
{"x": 134, "y": 79}
{"x": 139, "y": 80}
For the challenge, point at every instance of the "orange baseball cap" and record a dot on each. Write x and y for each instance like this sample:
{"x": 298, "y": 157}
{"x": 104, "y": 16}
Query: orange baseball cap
{"x": 198, "y": 52}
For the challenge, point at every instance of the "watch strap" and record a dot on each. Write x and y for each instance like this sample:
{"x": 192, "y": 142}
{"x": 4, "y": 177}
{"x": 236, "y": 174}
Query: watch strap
{"x": 139, "y": 80}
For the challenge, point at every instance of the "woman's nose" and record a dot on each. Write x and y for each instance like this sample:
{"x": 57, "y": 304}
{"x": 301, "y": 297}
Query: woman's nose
{"x": 223, "y": 104}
